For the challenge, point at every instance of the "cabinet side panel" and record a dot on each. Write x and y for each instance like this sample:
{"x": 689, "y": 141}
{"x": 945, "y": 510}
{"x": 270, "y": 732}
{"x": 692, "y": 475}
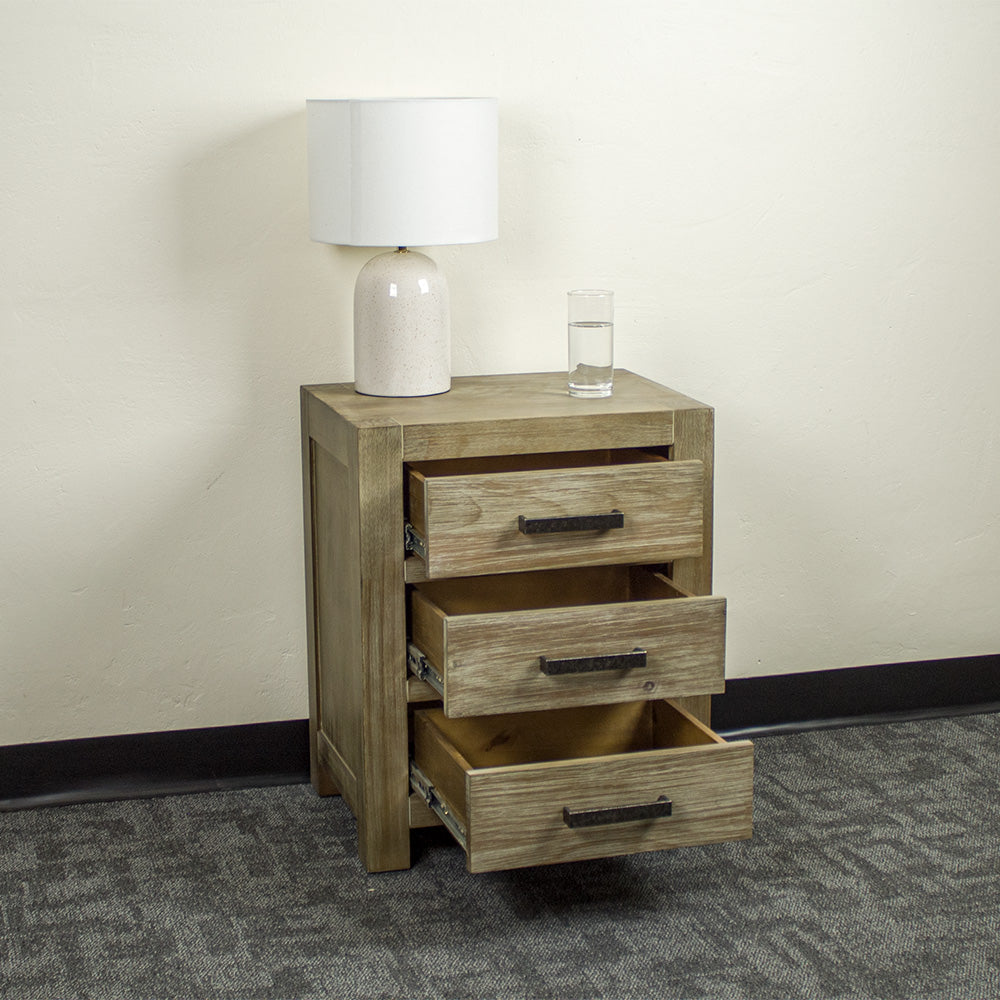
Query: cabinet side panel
{"x": 336, "y": 556}
{"x": 319, "y": 776}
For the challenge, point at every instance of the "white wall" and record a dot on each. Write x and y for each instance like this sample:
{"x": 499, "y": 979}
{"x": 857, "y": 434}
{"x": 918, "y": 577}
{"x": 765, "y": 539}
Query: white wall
{"x": 796, "y": 203}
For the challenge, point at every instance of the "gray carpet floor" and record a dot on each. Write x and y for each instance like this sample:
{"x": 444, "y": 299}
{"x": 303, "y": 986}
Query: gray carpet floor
{"x": 874, "y": 872}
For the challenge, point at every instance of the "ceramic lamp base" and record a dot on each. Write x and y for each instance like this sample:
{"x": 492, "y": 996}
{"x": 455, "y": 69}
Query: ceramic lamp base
{"x": 402, "y": 331}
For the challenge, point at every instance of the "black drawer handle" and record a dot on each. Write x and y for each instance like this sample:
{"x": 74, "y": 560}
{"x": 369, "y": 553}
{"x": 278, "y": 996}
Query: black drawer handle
{"x": 590, "y": 664}
{"x": 617, "y": 814}
{"x": 586, "y": 522}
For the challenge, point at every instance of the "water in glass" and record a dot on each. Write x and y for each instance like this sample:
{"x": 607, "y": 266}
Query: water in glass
{"x": 591, "y": 358}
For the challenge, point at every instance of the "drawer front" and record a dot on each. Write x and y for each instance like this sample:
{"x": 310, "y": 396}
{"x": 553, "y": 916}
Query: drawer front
{"x": 549, "y": 811}
{"x": 664, "y": 644}
{"x": 517, "y": 815}
{"x": 500, "y": 522}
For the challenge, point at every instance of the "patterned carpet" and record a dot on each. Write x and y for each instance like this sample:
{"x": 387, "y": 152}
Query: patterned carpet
{"x": 874, "y": 872}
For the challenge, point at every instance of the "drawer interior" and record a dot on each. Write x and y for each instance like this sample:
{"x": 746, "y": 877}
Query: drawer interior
{"x": 561, "y": 588}
{"x": 569, "y": 733}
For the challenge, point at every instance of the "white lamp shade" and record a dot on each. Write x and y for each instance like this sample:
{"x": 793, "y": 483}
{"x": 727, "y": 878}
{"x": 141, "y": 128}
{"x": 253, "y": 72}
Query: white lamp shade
{"x": 406, "y": 172}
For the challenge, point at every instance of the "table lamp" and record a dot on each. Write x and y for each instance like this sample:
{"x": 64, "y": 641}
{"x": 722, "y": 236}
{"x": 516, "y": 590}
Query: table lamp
{"x": 404, "y": 172}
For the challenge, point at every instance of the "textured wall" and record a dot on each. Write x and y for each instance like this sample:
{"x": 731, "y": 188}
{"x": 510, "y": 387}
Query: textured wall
{"x": 796, "y": 204}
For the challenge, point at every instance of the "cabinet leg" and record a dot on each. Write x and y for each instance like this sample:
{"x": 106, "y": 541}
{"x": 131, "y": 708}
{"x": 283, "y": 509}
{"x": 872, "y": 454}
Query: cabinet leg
{"x": 384, "y": 792}
{"x": 322, "y": 782}
{"x": 383, "y": 819}
{"x": 384, "y": 836}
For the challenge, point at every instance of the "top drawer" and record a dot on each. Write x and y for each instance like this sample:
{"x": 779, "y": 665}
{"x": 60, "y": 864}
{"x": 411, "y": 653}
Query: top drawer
{"x": 527, "y": 512}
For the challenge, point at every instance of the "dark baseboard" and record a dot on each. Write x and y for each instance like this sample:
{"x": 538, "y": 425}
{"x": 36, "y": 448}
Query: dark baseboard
{"x": 822, "y": 699}
{"x": 143, "y": 765}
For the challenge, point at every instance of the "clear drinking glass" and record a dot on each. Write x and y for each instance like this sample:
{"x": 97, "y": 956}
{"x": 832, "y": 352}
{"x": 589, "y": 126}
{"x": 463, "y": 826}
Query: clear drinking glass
{"x": 591, "y": 342}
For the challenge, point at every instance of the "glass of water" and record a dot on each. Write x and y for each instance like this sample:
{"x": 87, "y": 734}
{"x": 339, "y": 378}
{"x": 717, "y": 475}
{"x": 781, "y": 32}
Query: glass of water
{"x": 591, "y": 342}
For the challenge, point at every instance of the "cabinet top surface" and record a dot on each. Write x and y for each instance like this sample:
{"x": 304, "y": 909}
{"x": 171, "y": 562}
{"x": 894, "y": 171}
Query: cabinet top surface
{"x": 539, "y": 395}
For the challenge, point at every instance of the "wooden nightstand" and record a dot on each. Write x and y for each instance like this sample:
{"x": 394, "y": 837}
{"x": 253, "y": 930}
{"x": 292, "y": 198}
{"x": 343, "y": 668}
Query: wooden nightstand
{"x": 510, "y": 622}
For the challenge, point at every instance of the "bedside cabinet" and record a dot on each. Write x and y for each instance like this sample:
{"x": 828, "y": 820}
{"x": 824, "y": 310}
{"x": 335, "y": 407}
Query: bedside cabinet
{"x": 510, "y": 622}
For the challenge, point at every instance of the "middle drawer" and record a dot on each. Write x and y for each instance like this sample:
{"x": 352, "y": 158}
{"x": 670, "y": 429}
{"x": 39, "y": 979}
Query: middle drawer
{"x": 594, "y": 635}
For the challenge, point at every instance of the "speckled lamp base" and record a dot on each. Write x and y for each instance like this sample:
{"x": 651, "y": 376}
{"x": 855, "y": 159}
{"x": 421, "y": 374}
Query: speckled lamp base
{"x": 402, "y": 332}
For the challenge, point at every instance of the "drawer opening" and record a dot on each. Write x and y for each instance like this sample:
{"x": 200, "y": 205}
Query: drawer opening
{"x": 570, "y": 733}
{"x": 529, "y": 463}
{"x": 548, "y": 589}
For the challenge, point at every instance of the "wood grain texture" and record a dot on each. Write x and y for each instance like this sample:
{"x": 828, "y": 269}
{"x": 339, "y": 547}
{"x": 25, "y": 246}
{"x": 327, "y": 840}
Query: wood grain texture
{"x": 561, "y": 734}
{"x": 512, "y": 414}
{"x": 576, "y": 432}
{"x": 329, "y": 429}
{"x": 516, "y": 784}
{"x": 487, "y": 639}
{"x": 421, "y": 815}
{"x": 694, "y": 439}
{"x": 429, "y": 629}
{"x": 516, "y": 814}
{"x": 437, "y": 756}
{"x": 355, "y": 451}
{"x": 383, "y": 822}
{"x": 320, "y": 776}
{"x": 337, "y": 711}
{"x": 339, "y": 771}
{"x": 699, "y": 705}
{"x": 420, "y": 692}
{"x": 471, "y": 521}
{"x": 534, "y": 461}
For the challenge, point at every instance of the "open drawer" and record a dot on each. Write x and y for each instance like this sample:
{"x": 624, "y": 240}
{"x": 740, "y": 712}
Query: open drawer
{"x": 526, "y": 512}
{"x": 570, "y": 784}
{"x": 593, "y": 635}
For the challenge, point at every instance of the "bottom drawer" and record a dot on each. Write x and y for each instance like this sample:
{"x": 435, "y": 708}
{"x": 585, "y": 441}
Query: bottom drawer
{"x": 544, "y": 787}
